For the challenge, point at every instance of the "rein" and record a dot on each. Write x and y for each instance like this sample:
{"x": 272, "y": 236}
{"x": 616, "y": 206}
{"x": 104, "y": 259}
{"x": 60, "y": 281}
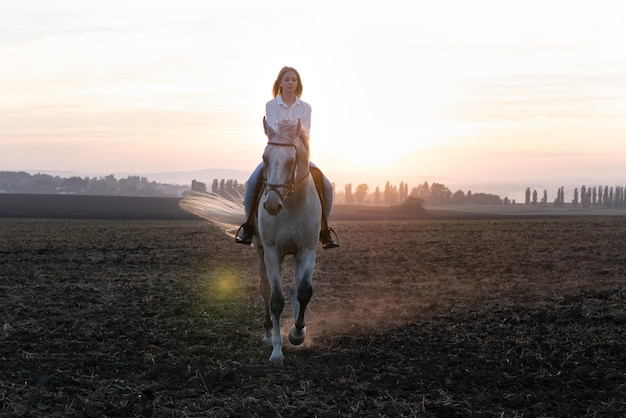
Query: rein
{"x": 291, "y": 187}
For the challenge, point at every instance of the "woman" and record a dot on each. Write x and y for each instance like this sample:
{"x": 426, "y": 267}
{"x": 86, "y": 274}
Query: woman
{"x": 287, "y": 105}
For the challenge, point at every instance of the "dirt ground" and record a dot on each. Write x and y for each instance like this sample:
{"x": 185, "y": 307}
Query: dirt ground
{"x": 416, "y": 318}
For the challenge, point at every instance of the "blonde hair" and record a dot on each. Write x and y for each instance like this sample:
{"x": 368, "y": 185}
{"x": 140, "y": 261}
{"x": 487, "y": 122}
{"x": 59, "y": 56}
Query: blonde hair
{"x": 277, "y": 90}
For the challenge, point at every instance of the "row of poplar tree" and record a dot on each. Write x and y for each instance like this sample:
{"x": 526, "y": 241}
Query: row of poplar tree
{"x": 588, "y": 197}
{"x": 435, "y": 194}
{"x": 438, "y": 193}
{"x": 390, "y": 195}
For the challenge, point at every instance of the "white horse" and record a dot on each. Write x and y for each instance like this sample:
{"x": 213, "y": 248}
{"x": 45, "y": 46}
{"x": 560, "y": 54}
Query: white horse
{"x": 288, "y": 218}
{"x": 288, "y": 222}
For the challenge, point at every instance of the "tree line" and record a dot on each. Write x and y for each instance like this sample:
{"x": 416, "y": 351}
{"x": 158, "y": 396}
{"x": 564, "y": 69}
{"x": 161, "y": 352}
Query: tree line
{"x": 390, "y": 195}
{"x": 229, "y": 189}
{"x": 22, "y": 182}
{"x": 603, "y": 196}
{"x": 434, "y": 194}
{"x": 588, "y": 197}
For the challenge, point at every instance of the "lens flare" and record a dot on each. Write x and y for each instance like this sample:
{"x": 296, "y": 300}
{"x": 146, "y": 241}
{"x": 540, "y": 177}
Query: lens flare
{"x": 227, "y": 284}
{"x": 221, "y": 286}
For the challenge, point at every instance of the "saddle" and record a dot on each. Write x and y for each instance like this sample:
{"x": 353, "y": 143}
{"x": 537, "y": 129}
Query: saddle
{"x": 318, "y": 179}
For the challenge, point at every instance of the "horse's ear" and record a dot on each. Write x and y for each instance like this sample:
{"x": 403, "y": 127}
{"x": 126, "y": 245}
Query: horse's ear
{"x": 298, "y": 127}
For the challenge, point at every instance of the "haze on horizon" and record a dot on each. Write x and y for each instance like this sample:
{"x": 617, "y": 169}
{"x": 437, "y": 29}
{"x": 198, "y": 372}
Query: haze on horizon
{"x": 468, "y": 92}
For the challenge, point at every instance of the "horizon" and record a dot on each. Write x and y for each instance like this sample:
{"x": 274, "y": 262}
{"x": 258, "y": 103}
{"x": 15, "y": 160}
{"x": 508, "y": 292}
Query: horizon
{"x": 514, "y": 190}
{"x": 453, "y": 92}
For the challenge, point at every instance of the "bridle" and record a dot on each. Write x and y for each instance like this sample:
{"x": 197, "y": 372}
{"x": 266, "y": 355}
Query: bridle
{"x": 290, "y": 186}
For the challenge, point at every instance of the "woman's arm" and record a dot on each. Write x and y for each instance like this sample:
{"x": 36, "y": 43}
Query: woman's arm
{"x": 306, "y": 116}
{"x": 270, "y": 113}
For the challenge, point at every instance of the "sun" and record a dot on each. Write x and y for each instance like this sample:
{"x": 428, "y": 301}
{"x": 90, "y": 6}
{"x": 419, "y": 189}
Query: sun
{"x": 371, "y": 119}
{"x": 382, "y": 146}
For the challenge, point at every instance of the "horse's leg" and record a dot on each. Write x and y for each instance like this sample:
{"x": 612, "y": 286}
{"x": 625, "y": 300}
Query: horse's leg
{"x": 265, "y": 291}
{"x": 302, "y": 293}
{"x": 273, "y": 262}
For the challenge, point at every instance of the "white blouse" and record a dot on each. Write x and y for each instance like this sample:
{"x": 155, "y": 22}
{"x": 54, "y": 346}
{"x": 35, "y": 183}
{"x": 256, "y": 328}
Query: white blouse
{"x": 276, "y": 110}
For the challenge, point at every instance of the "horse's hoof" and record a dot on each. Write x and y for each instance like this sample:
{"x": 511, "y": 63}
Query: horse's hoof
{"x": 296, "y": 337}
{"x": 276, "y": 360}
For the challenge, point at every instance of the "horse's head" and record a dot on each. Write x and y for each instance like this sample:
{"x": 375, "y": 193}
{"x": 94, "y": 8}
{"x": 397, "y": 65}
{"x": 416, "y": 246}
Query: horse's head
{"x": 286, "y": 162}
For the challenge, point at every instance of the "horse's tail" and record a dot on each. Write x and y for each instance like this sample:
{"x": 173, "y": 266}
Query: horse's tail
{"x": 225, "y": 214}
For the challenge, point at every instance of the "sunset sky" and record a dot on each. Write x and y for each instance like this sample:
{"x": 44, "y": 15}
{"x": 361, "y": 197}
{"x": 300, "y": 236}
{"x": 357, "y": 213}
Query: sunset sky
{"x": 449, "y": 91}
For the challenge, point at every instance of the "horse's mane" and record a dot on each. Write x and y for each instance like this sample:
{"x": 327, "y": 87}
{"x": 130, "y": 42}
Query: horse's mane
{"x": 286, "y": 128}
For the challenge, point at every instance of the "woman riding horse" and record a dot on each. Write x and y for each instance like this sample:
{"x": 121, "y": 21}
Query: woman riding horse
{"x": 287, "y": 105}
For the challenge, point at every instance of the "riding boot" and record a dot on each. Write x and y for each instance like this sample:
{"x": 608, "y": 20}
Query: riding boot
{"x": 326, "y": 237}
{"x": 245, "y": 234}
{"x": 326, "y": 233}
{"x": 246, "y": 231}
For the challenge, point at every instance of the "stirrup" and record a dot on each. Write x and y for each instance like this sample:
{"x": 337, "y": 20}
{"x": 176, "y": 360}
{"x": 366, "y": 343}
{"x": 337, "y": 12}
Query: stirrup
{"x": 243, "y": 235}
{"x": 327, "y": 239}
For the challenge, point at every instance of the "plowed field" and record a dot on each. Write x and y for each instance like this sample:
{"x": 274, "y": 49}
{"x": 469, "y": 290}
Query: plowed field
{"x": 416, "y": 318}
